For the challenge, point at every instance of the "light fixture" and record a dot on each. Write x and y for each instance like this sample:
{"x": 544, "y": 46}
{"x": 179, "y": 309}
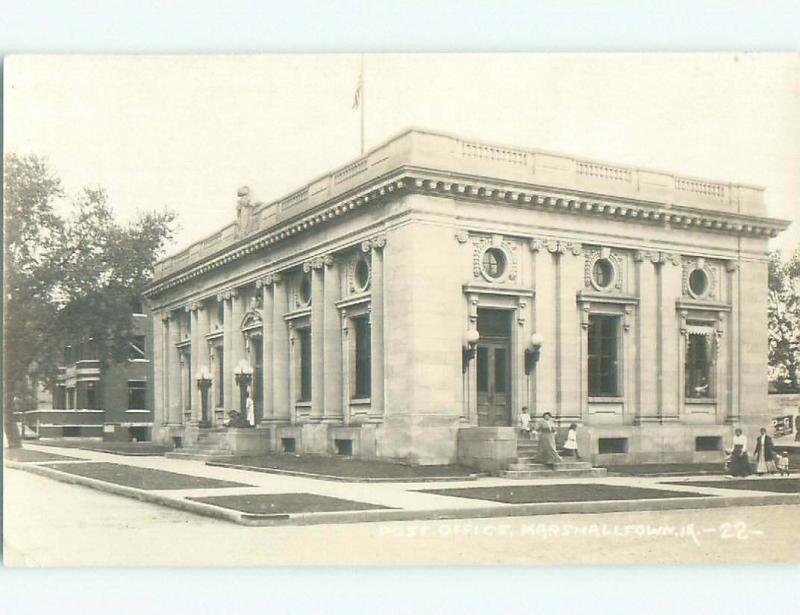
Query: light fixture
{"x": 532, "y": 353}
{"x": 471, "y": 347}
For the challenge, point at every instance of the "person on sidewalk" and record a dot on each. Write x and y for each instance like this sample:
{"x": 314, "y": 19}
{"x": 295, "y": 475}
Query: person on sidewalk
{"x": 571, "y": 444}
{"x": 524, "y": 423}
{"x": 739, "y": 464}
{"x": 764, "y": 453}
{"x": 783, "y": 463}
{"x": 547, "y": 441}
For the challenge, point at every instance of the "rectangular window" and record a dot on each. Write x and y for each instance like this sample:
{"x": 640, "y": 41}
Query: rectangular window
{"x": 137, "y": 350}
{"x": 698, "y": 367}
{"x": 67, "y": 355}
{"x": 707, "y": 443}
{"x": 137, "y": 306}
{"x": 91, "y": 396}
{"x": 611, "y": 446}
{"x": 60, "y": 402}
{"x": 304, "y": 339}
{"x": 71, "y": 398}
{"x": 603, "y": 360}
{"x": 137, "y": 391}
{"x": 220, "y": 377}
{"x": 363, "y": 358}
{"x": 220, "y": 314}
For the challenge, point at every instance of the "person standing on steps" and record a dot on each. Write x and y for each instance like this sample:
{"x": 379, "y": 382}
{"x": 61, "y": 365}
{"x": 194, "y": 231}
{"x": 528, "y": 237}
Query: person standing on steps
{"x": 547, "y": 441}
{"x": 571, "y": 444}
{"x": 524, "y": 423}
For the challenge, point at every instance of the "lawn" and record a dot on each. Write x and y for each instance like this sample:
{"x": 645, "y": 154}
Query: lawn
{"x": 27, "y": 455}
{"x": 677, "y": 469}
{"x": 346, "y": 467}
{"x": 141, "y": 478}
{"x": 774, "y": 485}
{"x": 285, "y": 503}
{"x": 577, "y": 492}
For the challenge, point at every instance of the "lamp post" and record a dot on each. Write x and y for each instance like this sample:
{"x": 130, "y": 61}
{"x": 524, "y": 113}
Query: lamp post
{"x": 243, "y": 375}
{"x": 470, "y": 348}
{"x": 532, "y": 353}
{"x": 203, "y": 384}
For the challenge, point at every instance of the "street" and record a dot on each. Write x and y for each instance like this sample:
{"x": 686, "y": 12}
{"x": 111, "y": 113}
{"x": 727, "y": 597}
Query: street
{"x": 56, "y": 524}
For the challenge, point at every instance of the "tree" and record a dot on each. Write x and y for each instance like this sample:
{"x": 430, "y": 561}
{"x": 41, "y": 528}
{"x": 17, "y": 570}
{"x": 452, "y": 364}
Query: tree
{"x": 67, "y": 277}
{"x": 784, "y": 321}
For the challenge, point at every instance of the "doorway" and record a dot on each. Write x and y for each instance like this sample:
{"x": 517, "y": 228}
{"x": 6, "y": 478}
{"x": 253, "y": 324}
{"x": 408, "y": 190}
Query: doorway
{"x": 493, "y": 356}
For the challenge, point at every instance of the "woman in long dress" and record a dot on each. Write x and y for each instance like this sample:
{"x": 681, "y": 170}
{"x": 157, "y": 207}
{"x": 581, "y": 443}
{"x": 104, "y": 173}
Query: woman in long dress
{"x": 547, "y": 441}
{"x": 740, "y": 462}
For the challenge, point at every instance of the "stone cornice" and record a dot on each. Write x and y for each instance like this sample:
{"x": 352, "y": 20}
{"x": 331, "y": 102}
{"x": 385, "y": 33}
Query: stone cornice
{"x": 408, "y": 179}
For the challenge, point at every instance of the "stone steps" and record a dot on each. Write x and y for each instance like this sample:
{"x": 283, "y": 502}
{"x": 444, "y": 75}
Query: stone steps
{"x": 528, "y": 466}
{"x": 211, "y": 444}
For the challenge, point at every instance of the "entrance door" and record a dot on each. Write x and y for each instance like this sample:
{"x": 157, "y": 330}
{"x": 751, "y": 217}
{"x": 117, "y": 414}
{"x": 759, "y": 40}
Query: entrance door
{"x": 492, "y": 365}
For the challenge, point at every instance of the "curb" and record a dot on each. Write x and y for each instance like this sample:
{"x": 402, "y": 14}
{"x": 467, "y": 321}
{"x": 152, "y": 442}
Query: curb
{"x": 344, "y": 479}
{"x": 476, "y": 512}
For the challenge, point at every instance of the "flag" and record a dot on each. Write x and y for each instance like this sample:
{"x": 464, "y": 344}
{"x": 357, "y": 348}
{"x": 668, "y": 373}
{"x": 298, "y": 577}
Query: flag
{"x": 357, "y": 96}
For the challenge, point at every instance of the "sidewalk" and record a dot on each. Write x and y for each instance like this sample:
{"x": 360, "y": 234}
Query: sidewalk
{"x": 256, "y": 498}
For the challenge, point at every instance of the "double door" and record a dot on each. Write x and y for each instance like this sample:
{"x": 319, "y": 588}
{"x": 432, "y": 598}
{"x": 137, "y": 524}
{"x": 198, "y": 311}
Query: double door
{"x": 493, "y": 383}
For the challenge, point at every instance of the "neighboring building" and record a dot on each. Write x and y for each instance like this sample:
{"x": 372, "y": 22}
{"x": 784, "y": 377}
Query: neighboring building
{"x": 110, "y": 402}
{"x": 408, "y": 304}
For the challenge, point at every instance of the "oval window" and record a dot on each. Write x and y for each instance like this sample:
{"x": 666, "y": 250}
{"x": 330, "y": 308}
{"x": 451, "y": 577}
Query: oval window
{"x": 362, "y": 274}
{"x": 603, "y": 273}
{"x": 305, "y": 289}
{"x": 494, "y": 263}
{"x": 698, "y": 282}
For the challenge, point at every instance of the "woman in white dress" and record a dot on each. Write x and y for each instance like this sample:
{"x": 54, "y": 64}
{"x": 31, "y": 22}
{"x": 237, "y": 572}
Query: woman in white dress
{"x": 740, "y": 463}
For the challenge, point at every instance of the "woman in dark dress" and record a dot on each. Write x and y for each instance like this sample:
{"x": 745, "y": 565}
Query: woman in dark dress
{"x": 740, "y": 461}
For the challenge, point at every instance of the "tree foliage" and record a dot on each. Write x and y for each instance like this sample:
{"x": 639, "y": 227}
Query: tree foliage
{"x": 68, "y": 276}
{"x": 784, "y": 321}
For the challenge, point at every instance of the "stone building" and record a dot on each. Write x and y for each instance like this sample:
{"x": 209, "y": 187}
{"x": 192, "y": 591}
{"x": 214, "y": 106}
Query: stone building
{"x": 408, "y": 304}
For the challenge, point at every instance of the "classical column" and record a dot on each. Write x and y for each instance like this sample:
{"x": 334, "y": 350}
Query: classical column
{"x": 281, "y": 405}
{"x": 647, "y": 335}
{"x": 266, "y": 346}
{"x": 317, "y": 337}
{"x": 734, "y": 381}
{"x": 173, "y": 367}
{"x": 238, "y": 351}
{"x": 376, "y": 246}
{"x": 197, "y": 341}
{"x": 546, "y": 325}
{"x": 161, "y": 371}
{"x": 569, "y": 380}
{"x": 227, "y": 352}
{"x": 671, "y": 342}
{"x": 332, "y": 411}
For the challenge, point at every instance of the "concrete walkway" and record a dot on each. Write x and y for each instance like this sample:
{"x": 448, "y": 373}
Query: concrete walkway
{"x": 404, "y": 500}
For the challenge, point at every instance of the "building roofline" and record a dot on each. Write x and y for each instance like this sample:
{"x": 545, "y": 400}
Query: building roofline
{"x": 453, "y": 155}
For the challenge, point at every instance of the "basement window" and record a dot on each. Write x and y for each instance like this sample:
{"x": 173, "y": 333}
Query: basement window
{"x": 707, "y": 443}
{"x": 612, "y": 445}
{"x": 288, "y": 445}
{"x": 344, "y": 447}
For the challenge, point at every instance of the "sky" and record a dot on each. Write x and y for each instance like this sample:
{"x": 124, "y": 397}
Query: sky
{"x": 184, "y": 132}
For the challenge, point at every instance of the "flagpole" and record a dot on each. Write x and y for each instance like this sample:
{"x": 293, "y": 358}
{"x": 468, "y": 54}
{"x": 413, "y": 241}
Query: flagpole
{"x": 361, "y": 80}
